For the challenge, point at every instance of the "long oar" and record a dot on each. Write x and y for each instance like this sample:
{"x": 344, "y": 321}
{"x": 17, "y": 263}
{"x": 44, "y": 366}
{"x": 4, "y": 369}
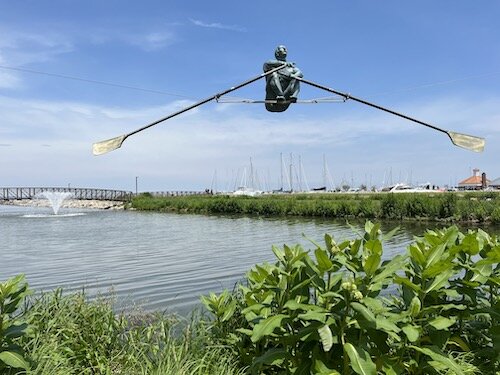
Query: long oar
{"x": 466, "y": 141}
{"x": 108, "y": 145}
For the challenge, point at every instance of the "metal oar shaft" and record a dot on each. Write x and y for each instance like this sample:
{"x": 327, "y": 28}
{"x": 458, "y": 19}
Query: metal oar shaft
{"x": 213, "y": 97}
{"x": 349, "y": 97}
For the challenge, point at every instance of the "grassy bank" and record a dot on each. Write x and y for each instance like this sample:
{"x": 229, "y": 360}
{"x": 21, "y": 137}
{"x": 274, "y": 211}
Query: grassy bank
{"x": 450, "y": 207}
{"x": 57, "y": 334}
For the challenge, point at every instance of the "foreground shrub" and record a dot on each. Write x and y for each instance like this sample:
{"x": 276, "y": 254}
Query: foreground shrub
{"x": 345, "y": 309}
{"x": 12, "y": 325}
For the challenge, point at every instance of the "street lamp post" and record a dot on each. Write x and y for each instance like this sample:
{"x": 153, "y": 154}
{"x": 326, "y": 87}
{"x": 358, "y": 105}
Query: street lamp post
{"x": 136, "y": 178}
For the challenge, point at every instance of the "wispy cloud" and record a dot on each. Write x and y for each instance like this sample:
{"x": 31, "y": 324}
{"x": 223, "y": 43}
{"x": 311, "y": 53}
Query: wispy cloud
{"x": 151, "y": 41}
{"x": 217, "y": 25}
{"x": 9, "y": 80}
{"x": 145, "y": 40}
{"x": 21, "y": 48}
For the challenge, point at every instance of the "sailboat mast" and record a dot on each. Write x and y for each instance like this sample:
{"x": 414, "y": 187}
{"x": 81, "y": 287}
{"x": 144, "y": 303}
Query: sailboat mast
{"x": 281, "y": 168}
{"x": 251, "y": 175}
{"x": 324, "y": 171}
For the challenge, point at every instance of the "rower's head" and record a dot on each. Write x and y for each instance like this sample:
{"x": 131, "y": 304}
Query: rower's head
{"x": 280, "y": 53}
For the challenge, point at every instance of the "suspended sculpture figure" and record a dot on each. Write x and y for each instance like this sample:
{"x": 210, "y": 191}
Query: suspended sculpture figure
{"x": 282, "y": 87}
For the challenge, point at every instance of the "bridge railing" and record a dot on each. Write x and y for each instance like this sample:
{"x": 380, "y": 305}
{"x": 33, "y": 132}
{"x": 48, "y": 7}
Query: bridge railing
{"x": 11, "y": 193}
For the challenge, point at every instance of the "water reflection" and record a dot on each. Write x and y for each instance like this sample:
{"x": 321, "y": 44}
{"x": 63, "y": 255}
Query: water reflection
{"x": 156, "y": 261}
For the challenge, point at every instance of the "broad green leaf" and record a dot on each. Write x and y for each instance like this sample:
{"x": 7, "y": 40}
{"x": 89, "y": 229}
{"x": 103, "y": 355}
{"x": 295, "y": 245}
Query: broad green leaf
{"x": 471, "y": 244}
{"x": 229, "y": 311}
{"x": 416, "y": 254}
{"x": 364, "y": 311}
{"x": 391, "y": 234}
{"x": 371, "y": 264}
{"x": 369, "y": 226}
{"x": 374, "y": 304}
{"x": 267, "y": 326}
{"x": 15, "y": 330}
{"x": 294, "y": 305}
{"x": 255, "y": 308}
{"x": 324, "y": 263}
{"x": 437, "y": 268}
{"x": 408, "y": 283}
{"x": 361, "y": 362}
{"x": 325, "y": 334}
{"x": 388, "y": 269}
{"x": 411, "y": 332}
{"x": 435, "y": 255}
{"x": 389, "y": 370}
{"x": 440, "y": 280}
{"x": 451, "y": 306}
{"x": 441, "y": 322}
{"x": 278, "y": 253}
{"x": 245, "y": 331}
{"x": 14, "y": 360}
{"x": 272, "y": 357}
{"x": 386, "y": 325}
{"x": 319, "y": 316}
{"x": 302, "y": 284}
{"x": 329, "y": 242}
{"x": 354, "y": 247}
{"x": 321, "y": 369}
{"x": 482, "y": 272}
{"x": 373, "y": 246}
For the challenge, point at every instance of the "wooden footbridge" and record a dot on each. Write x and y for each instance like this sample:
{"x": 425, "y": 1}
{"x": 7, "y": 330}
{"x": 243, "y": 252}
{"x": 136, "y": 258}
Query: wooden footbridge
{"x": 19, "y": 193}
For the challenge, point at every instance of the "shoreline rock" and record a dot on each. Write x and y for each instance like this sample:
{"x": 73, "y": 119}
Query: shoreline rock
{"x": 68, "y": 203}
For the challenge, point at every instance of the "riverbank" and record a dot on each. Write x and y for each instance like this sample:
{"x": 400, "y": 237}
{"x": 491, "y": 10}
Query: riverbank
{"x": 68, "y": 203}
{"x": 450, "y": 207}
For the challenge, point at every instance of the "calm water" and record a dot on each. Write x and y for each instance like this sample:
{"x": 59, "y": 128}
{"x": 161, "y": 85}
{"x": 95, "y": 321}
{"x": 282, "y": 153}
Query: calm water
{"x": 155, "y": 261}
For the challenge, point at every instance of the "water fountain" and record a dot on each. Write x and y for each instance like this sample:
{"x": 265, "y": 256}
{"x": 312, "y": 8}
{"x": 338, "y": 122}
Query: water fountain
{"x": 56, "y": 198}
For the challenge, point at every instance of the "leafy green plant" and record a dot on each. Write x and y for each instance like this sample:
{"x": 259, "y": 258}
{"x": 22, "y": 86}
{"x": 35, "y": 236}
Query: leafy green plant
{"x": 12, "y": 327}
{"x": 345, "y": 309}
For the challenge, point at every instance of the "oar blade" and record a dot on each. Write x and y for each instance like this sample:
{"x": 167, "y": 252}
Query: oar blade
{"x": 469, "y": 142}
{"x": 108, "y": 145}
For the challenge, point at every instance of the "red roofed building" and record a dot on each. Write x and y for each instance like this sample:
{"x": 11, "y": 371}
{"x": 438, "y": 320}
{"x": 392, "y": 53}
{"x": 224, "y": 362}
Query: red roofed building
{"x": 475, "y": 182}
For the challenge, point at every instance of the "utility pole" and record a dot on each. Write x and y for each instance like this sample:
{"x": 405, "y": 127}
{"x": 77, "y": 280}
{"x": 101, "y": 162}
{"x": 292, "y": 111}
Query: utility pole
{"x": 136, "y": 178}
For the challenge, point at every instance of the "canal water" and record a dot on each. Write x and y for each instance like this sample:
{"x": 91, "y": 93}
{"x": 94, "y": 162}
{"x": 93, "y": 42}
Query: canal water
{"x": 152, "y": 261}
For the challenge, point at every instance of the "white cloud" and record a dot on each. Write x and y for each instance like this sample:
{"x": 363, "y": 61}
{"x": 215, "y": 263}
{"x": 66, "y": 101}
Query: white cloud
{"x": 217, "y": 25}
{"x": 183, "y": 152}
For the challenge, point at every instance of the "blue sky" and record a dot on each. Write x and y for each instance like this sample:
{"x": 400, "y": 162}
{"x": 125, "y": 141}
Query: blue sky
{"x": 437, "y": 61}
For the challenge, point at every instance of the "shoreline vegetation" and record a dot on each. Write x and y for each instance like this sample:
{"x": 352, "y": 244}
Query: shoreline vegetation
{"x": 340, "y": 307}
{"x": 450, "y": 207}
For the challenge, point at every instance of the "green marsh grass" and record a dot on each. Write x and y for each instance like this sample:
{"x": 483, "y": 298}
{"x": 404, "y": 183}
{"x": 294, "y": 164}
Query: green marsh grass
{"x": 448, "y": 207}
{"x": 71, "y": 335}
